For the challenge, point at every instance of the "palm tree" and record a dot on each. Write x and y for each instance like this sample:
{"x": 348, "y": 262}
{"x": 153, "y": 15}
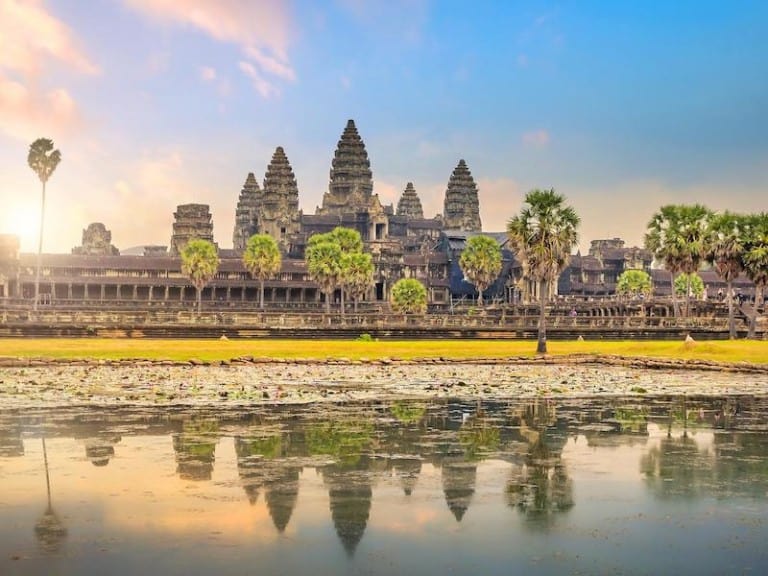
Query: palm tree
{"x": 43, "y": 159}
{"x": 358, "y": 269}
{"x": 675, "y": 236}
{"x": 200, "y": 262}
{"x": 262, "y": 259}
{"x": 543, "y": 235}
{"x": 324, "y": 265}
{"x": 409, "y": 296}
{"x": 481, "y": 263}
{"x": 724, "y": 249}
{"x": 756, "y": 257}
{"x": 349, "y": 242}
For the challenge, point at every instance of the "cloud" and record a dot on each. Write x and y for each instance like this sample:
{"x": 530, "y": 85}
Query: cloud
{"x": 260, "y": 29}
{"x": 266, "y": 89}
{"x": 207, "y": 74}
{"x": 26, "y": 114}
{"x": 29, "y": 35}
{"x": 536, "y": 139}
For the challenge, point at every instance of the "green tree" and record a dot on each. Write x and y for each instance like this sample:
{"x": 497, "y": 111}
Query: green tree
{"x": 409, "y": 296}
{"x": 358, "y": 271}
{"x": 634, "y": 283}
{"x": 324, "y": 266}
{"x": 690, "y": 284}
{"x": 262, "y": 259}
{"x": 676, "y": 237}
{"x": 481, "y": 263}
{"x": 43, "y": 160}
{"x": 349, "y": 242}
{"x": 724, "y": 250}
{"x": 542, "y": 236}
{"x": 199, "y": 262}
{"x": 756, "y": 257}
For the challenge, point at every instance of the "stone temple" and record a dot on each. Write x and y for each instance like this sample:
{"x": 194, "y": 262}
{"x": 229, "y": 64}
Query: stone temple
{"x": 402, "y": 241}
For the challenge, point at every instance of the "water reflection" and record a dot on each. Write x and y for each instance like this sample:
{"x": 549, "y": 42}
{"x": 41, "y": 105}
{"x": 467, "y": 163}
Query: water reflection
{"x": 380, "y": 477}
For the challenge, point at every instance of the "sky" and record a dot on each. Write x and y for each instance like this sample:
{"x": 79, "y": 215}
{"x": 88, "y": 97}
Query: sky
{"x": 620, "y": 106}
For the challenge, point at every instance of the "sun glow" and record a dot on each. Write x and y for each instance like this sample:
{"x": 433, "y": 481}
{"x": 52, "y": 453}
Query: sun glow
{"x": 23, "y": 220}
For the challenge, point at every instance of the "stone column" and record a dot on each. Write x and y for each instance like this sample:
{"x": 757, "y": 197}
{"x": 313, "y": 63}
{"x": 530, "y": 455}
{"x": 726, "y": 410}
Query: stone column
{"x": 165, "y": 295}
{"x": 119, "y": 294}
{"x": 101, "y": 297}
{"x": 181, "y": 293}
{"x": 151, "y": 288}
{"x": 69, "y": 291}
{"x": 135, "y": 292}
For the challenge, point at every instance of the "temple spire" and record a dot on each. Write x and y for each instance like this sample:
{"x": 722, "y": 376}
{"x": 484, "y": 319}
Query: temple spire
{"x": 351, "y": 179}
{"x": 246, "y": 213}
{"x": 461, "y": 209}
{"x": 409, "y": 204}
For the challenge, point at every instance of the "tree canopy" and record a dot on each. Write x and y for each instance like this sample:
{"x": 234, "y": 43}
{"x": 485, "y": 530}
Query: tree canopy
{"x": 542, "y": 236}
{"x": 262, "y": 260}
{"x": 409, "y": 296}
{"x": 481, "y": 263}
{"x": 199, "y": 262}
{"x": 634, "y": 283}
{"x": 724, "y": 250}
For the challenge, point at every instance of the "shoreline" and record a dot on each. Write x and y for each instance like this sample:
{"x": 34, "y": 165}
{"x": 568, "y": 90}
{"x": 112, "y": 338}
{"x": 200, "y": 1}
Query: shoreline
{"x": 243, "y": 383}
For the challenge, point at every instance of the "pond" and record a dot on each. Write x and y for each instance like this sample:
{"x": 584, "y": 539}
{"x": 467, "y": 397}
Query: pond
{"x": 545, "y": 486}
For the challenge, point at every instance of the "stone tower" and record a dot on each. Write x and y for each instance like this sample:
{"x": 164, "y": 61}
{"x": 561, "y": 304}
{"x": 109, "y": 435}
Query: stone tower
{"x": 461, "y": 210}
{"x": 191, "y": 221}
{"x": 279, "y": 214}
{"x": 246, "y": 213}
{"x": 351, "y": 185}
{"x": 409, "y": 204}
{"x": 97, "y": 241}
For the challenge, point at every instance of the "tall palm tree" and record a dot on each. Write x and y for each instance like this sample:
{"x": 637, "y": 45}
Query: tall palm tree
{"x": 262, "y": 259}
{"x": 324, "y": 266}
{"x": 43, "y": 159}
{"x": 675, "y": 236}
{"x": 358, "y": 269}
{"x": 543, "y": 235}
{"x": 199, "y": 262}
{"x": 481, "y": 263}
{"x": 756, "y": 257}
{"x": 724, "y": 249}
{"x": 349, "y": 242}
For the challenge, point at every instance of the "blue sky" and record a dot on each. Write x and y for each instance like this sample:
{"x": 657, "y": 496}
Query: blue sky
{"x": 621, "y": 106}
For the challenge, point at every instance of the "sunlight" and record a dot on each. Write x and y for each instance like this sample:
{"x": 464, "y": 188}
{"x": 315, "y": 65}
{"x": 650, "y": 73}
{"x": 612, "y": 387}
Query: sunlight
{"x": 22, "y": 218}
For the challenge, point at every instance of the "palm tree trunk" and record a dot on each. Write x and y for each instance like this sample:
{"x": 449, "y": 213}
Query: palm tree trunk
{"x": 357, "y": 298}
{"x": 731, "y": 319}
{"x": 328, "y": 296}
{"x": 688, "y": 295}
{"x": 479, "y": 296}
{"x": 39, "y": 251}
{"x": 752, "y": 328}
{"x": 261, "y": 294}
{"x": 341, "y": 290}
{"x": 675, "y": 307}
{"x": 541, "y": 346}
{"x": 199, "y": 300}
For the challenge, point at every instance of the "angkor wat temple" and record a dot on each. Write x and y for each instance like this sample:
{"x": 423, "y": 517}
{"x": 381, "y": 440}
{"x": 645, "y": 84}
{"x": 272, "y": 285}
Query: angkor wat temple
{"x": 403, "y": 243}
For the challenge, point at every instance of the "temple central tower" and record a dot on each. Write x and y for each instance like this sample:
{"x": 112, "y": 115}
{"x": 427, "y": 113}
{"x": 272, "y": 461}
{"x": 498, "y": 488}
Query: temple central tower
{"x": 351, "y": 185}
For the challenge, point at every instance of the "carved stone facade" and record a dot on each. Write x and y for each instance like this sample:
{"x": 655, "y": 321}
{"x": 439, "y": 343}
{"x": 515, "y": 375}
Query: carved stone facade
{"x": 190, "y": 221}
{"x": 246, "y": 213}
{"x": 462, "y": 206}
{"x": 409, "y": 204}
{"x": 97, "y": 241}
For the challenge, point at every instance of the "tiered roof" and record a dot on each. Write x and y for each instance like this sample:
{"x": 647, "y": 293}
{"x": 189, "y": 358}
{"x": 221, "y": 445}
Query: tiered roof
{"x": 409, "y": 204}
{"x": 462, "y": 206}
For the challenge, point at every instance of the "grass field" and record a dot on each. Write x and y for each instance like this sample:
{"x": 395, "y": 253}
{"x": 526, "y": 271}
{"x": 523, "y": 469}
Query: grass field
{"x": 723, "y": 351}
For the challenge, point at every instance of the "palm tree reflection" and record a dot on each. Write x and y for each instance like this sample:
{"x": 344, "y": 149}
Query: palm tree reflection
{"x": 49, "y": 529}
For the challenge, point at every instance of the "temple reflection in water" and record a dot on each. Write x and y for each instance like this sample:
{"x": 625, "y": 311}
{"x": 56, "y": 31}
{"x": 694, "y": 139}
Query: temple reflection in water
{"x": 298, "y": 468}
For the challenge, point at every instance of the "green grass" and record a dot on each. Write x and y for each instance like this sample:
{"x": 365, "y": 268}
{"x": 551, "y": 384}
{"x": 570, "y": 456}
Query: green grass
{"x": 723, "y": 351}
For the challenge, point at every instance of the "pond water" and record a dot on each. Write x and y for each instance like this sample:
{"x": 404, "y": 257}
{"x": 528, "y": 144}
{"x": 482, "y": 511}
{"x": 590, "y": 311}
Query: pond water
{"x": 598, "y": 486}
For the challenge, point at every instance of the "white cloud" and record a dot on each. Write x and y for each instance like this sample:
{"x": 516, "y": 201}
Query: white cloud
{"x": 29, "y": 35}
{"x": 262, "y": 86}
{"x": 26, "y": 114}
{"x": 261, "y": 30}
{"x": 536, "y": 139}
{"x": 207, "y": 74}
